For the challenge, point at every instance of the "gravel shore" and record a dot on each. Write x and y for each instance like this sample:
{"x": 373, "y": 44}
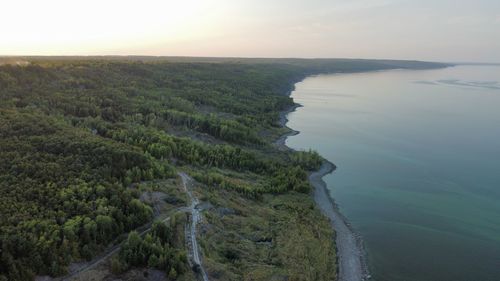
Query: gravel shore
{"x": 350, "y": 253}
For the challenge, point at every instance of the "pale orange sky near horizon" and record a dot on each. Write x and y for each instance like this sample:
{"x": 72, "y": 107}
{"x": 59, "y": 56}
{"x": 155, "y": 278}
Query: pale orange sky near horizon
{"x": 439, "y": 30}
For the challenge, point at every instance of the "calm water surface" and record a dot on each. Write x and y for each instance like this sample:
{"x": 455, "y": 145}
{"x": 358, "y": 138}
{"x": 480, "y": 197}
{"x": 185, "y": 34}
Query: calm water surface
{"x": 418, "y": 156}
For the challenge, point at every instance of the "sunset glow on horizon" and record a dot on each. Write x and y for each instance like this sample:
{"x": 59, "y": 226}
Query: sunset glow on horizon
{"x": 448, "y": 31}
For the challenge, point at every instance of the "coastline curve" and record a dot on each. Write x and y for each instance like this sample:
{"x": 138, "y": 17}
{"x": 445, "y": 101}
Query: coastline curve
{"x": 351, "y": 256}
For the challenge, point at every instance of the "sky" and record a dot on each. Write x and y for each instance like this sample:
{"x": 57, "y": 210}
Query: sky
{"x": 437, "y": 30}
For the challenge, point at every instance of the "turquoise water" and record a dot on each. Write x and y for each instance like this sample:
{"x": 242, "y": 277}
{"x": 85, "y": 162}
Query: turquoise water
{"x": 418, "y": 166}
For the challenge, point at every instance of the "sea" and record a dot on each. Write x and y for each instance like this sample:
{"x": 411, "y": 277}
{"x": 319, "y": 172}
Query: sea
{"x": 418, "y": 166}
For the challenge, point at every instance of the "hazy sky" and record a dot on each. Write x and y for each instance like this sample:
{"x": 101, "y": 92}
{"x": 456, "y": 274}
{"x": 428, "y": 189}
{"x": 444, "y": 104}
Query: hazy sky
{"x": 443, "y": 30}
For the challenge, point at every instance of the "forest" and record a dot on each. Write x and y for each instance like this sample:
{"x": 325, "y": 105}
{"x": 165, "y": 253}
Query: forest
{"x": 76, "y": 134}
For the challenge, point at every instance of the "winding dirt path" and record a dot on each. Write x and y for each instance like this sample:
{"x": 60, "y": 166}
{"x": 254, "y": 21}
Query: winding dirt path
{"x": 191, "y": 231}
{"x": 193, "y": 247}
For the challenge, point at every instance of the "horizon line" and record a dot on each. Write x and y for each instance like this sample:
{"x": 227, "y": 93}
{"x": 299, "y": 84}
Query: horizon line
{"x": 232, "y": 57}
{"x": 248, "y": 57}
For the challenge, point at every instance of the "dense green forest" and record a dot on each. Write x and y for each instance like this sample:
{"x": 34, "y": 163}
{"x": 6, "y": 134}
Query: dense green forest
{"x": 77, "y": 134}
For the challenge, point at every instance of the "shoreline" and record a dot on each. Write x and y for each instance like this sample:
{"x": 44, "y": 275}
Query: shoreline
{"x": 280, "y": 142}
{"x": 351, "y": 256}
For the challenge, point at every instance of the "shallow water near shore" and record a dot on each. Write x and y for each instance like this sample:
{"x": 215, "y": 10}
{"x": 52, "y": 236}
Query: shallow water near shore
{"x": 418, "y": 165}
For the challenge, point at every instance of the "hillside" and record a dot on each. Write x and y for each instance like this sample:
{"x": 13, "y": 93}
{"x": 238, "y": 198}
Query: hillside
{"x": 91, "y": 150}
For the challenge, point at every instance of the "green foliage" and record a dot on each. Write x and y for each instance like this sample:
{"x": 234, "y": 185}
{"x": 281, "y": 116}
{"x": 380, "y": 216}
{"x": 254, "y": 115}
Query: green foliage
{"x": 157, "y": 250}
{"x": 224, "y": 129}
{"x": 290, "y": 178}
{"x": 308, "y": 160}
{"x": 276, "y": 237}
{"x": 74, "y": 136}
{"x": 214, "y": 179}
{"x": 61, "y": 193}
{"x": 164, "y": 146}
{"x": 117, "y": 266}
